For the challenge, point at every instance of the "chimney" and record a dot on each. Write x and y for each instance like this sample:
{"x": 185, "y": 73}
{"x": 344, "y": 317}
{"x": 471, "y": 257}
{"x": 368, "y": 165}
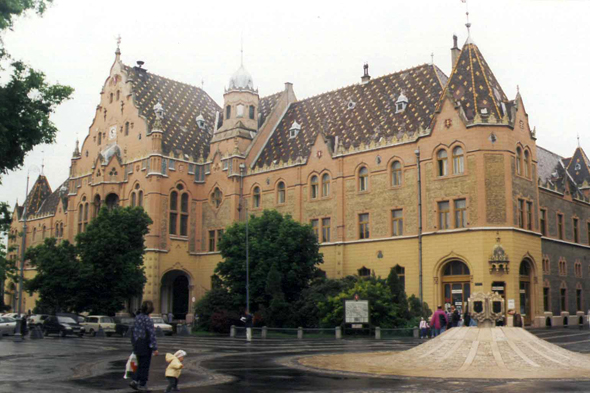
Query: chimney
{"x": 455, "y": 52}
{"x": 366, "y": 77}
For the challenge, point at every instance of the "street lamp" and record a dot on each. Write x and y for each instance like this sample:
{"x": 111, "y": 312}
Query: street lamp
{"x": 18, "y": 336}
{"x": 242, "y": 204}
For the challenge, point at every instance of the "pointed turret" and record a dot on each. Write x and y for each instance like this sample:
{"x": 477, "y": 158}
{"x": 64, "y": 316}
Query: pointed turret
{"x": 473, "y": 85}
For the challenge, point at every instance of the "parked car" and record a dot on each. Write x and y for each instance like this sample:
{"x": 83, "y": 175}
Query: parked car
{"x": 62, "y": 326}
{"x": 123, "y": 324}
{"x": 159, "y": 323}
{"x": 7, "y": 326}
{"x": 95, "y": 322}
{"x": 75, "y": 317}
{"x": 36, "y": 320}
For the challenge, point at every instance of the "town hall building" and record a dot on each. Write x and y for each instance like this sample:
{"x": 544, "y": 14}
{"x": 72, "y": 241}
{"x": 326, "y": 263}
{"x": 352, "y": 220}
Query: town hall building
{"x": 439, "y": 176}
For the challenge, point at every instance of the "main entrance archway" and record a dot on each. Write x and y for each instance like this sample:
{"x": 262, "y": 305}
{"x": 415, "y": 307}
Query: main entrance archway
{"x": 174, "y": 294}
{"x": 456, "y": 284}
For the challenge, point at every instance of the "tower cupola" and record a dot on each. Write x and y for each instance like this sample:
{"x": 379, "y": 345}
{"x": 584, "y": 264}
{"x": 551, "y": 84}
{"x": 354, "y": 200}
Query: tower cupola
{"x": 241, "y": 80}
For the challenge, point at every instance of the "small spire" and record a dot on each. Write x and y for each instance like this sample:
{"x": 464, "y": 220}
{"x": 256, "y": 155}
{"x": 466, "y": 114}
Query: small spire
{"x": 242, "y": 50}
{"x": 432, "y": 58}
{"x": 118, "y": 51}
{"x": 579, "y": 140}
{"x": 468, "y": 24}
{"x": 43, "y": 161}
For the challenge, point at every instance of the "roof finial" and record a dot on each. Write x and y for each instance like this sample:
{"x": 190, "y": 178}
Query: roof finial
{"x": 432, "y": 58}
{"x": 202, "y": 84}
{"x": 468, "y": 24}
{"x": 43, "y": 159}
{"x": 242, "y": 49}
{"x": 118, "y": 51}
{"x": 579, "y": 140}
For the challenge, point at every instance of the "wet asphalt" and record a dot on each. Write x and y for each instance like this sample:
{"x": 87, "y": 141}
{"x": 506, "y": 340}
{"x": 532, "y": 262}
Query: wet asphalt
{"x": 221, "y": 364}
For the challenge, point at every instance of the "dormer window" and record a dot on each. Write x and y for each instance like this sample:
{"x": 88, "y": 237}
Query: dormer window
{"x": 401, "y": 103}
{"x": 294, "y": 130}
{"x": 251, "y": 112}
{"x": 201, "y": 121}
{"x": 228, "y": 111}
{"x": 484, "y": 111}
{"x": 351, "y": 105}
{"x": 240, "y": 110}
{"x": 577, "y": 167}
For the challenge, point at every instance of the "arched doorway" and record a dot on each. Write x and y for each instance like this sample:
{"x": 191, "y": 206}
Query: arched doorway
{"x": 175, "y": 291}
{"x": 525, "y": 274}
{"x": 456, "y": 284}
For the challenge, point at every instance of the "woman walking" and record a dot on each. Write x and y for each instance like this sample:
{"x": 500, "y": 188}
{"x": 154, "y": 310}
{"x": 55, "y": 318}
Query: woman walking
{"x": 143, "y": 339}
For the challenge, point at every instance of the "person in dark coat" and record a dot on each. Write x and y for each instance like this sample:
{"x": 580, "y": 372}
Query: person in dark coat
{"x": 455, "y": 317}
{"x": 143, "y": 339}
{"x": 438, "y": 322}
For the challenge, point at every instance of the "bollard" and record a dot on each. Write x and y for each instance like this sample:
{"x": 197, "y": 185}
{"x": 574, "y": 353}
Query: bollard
{"x": 39, "y": 332}
{"x": 377, "y": 333}
{"x": 159, "y": 332}
{"x": 100, "y": 332}
{"x": 338, "y": 332}
{"x": 264, "y": 332}
{"x": 299, "y": 333}
{"x": 232, "y": 331}
{"x": 416, "y": 332}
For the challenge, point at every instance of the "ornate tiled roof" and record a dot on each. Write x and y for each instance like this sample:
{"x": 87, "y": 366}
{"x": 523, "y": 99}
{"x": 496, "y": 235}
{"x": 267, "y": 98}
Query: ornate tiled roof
{"x": 358, "y": 114}
{"x": 266, "y": 106}
{"x": 50, "y": 204}
{"x": 182, "y": 104}
{"x": 579, "y": 167}
{"x": 40, "y": 191}
{"x": 473, "y": 85}
{"x": 548, "y": 164}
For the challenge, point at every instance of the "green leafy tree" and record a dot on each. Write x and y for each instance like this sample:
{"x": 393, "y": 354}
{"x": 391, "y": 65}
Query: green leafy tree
{"x": 217, "y": 311}
{"x": 7, "y": 266}
{"x": 26, "y": 99}
{"x": 111, "y": 252}
{"x": 278, "y": 311}
{"x": 398, "y": 294}
{"x": 274, "y": 240}
{"x": 58, "y": 279}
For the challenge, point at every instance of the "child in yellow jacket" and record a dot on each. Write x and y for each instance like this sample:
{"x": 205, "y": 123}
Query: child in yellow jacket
{"x": 173, "y": 369}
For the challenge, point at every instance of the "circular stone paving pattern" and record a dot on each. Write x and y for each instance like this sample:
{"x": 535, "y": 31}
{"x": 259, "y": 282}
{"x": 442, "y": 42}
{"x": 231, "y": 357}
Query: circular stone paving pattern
{"x": 467, "y": 352}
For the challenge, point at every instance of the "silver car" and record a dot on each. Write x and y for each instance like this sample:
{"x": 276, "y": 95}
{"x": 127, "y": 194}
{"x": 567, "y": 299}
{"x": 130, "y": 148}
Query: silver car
{"x": 7, "y": 326}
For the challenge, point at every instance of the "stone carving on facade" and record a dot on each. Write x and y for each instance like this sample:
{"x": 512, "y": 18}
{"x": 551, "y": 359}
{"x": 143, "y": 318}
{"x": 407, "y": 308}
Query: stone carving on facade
{"x": 486, "y": 308}
{"x": 499, "y": 261}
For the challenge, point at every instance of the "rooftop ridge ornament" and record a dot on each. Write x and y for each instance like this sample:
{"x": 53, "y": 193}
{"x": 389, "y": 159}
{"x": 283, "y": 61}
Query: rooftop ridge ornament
{"x": 118, "y": 51}
{"x": 499, "y": 260}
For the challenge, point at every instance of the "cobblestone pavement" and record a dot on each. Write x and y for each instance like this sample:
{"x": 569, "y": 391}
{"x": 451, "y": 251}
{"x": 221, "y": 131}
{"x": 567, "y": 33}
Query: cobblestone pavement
{"x": 232, "y": 365}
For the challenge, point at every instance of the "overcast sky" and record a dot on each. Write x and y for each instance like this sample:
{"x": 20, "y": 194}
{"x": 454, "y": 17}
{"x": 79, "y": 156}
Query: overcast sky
{"x": 542, "y": 46}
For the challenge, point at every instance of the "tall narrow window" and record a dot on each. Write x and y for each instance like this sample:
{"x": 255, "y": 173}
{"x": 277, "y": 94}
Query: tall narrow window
{"x": 216, "y": 197}
{"x": 281, "y": 197}
{"x": 126, "y": 128}
{"x": 579, "y": 297}
{"x": 61, "y": 230}
{"x": 401, "y": 274}
{"x": 518, "y": 161}
{"x": 563, "y": 297}
{"x": 211, "y": 241}
{"x": 396, "y": 173}
{"x": 240, "y": 110}
{"x": 546, "y": 265}
{"x": 560, "y": 233}
{"x": 578, "y": 269}
{"x": 442, "y": 159}
{"x": 364, "y": 226}
{"x": 314, "y": 187}
{"x": 460, "y": 213}
{"x": 118, "y": 95}
{"x": 227, "y": 112}
{"x": 219, "y": 236}
{"x": 562, "y": 267}
{"x": 527, "y": 163}
{"x": 315, "y": 226}
{"x": 99, "y": 138}
{"x": 326, "y": 224}
{"x": 543, "y": 222}
{"x": 363, "y": 179}
{"x": 133, "y": 201}
{"x": 443, "y": 215}
{"x": 173, "y": 212}
{"x": 57, "y": 229}
{"x": 80, "y": 218}
{"x": 43, "y": 233}
{"x": 140, "y": 198}
{"x": 34, "y": 233}
{"x": 546, "y": 298}
{"x": 520, "y": 207}
{"x": 458, "y": 160}
{"x": 251, "y": 112}
{"x": 111, "y": 98}
{"x": 397, "y": 222}
{"x": 529, "y": 215}
{"x": 576, "y": 230}
{"x": 325, "y": 185}
{"x": 256, "y": 197}
{"x": 184, "y": 214}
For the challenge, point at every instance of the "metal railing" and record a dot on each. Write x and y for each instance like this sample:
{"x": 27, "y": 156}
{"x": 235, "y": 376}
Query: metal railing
{"x": 323, "y": 333}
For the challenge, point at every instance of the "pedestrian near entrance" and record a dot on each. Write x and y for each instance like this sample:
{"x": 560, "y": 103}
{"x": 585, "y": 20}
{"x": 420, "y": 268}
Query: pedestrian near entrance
{"x": 173, "y": 370}
{"x": 455, "y": 317}
{"x": 143, "y": 339}
{"x": 423, "y": 328}
{"x": 438, "y": 321}
{"x": 170, "y": 317}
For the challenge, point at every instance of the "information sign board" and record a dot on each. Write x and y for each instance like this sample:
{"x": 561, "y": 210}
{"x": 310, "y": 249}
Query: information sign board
{"x": 356, "y": 311}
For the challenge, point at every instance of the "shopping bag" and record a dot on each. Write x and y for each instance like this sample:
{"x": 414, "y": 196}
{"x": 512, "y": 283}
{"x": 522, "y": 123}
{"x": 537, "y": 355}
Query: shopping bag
{"x": 131, "y": 366}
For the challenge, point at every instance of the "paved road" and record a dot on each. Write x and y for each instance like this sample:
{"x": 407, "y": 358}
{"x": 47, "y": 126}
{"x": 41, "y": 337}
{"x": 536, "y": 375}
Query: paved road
{"x": 231, "y": 365}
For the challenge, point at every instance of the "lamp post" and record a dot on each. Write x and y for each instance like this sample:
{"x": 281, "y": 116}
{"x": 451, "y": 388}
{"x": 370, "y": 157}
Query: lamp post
{"x": 245, "y": 206}
{"x": 18, "y": 336}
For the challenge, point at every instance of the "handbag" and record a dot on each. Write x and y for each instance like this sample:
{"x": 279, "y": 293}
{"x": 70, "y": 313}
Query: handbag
{"x": 131, "y": 366}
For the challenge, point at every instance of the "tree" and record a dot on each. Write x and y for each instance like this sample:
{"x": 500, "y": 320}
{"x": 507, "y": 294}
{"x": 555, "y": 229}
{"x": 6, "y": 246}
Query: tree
{"x": 7, "y": 266}
{"x": 26, "y": 99}
{"x": 398, "y": 293}
{"x": 58, "y": 277}
{"x": 274, "y": 240}
{"x": 111, "y": 253}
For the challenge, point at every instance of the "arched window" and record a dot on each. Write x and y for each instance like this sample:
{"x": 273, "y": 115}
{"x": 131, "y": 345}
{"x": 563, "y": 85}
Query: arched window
{"x": 80, "y": 217}
{"x": 227, "y": 111}
{"x": 546, "y": 296}
{"x": 140, "y": 198}
{"x": 442, "y": 159}
{"x": 111, "y": 98}
{"x": 34, "y": 233}
{"x": 281, "y": 193}
{"x": 563, "y": 297}
{"x": 456, "y": 268}
{"x": 173, "y": 212}
{"x": 96, "y": 205}
{"x": 578, "y": 269}
{"x": 85, "y": 214}
{"x": 43, "y": 233}
{"x": 99, "y": 138}
{"x": 216, "y": 197}
{"x": 112, "y": 201}
{"x": 57, "y": 229}
{"x": 579, "y": 297}
{"x": 256, "y": 197}
{"x": 458, "y": 160}
{"x": 325, "y": 185}
{"x": 314, "y": 187}
{"x": 527, "y": 163}
{"x": 239, "y": 110}
{"x": 518, "y": 161}
{"x": 61, "y": 229}
{"x": 363, "y": 179}
{"x": 126, "y": 128}
{"x": 184, "y": 214}
{"x": 133, "y": 199}
{"x": 364, "y": 272}
{"x": 396, "y": 173}
{"x": 251, "y": 114}
{"x": 118, "y": 95}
